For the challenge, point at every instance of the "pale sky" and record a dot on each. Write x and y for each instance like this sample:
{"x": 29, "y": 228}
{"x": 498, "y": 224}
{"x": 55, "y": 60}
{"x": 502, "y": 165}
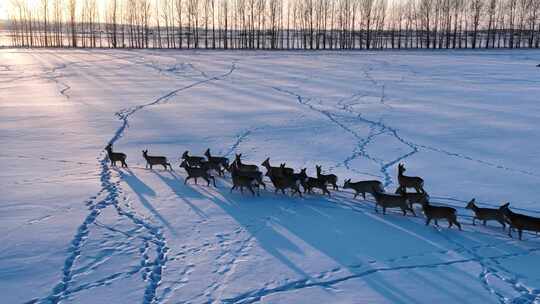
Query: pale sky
{"x": 3, "y": 9}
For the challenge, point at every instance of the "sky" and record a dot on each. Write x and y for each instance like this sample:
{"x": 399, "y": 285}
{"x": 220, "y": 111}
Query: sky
{"x": 3, "y": 9}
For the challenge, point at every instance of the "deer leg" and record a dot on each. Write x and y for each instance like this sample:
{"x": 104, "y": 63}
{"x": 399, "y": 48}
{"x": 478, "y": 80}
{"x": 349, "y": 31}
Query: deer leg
{"x": 474, "y": 221}
{"x": 510, "y": 231}
{"x": 484, "y": 222}
{"x": 376, "y": 208}
{"x": 251, "y": 190}
{"x": 124, "y": 164}
{"x": 207, "y": 181}
{"x": 428, "y": 220}
{"x": 384, "y": 210}
{"x": 185, "y": 181}
{"x": 364, "y": 195}
{"x": 404, "y": 211}
{"x": 520, "y": 232}
{"x": 457, "y": 223}
{"x": 502, "y": 223}
{"x": 195, "y": 180}
{"x": 213, "y": 181}
{"x": 232, "y": 188}
{"x": 335, "y": 186}
{"x": 436, "y": 223}
{"x": 355, "y": 195}
{"x": 450, "y": 222}
{"x": 412, "y": 211}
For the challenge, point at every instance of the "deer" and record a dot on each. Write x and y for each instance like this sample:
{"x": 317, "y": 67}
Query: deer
{"x": 223, "y": 161}
{"x": 192, "y": 160}
{"x": 409, "y": 181}
{"x": 272, "y": 171}
{"x": 363, "y": 187}
{"x": 485, "y": 214}
{"x": 237, "y": 163}
{"x": 389, "y": 200}
{"x": 308, "y": 183}
{"x": 329, "y": 178}
{"x": 207, "y": 165}
{"x": 299, "y": 177}
{"x": 286, "y": 170}
{"x": 285, "y": 182}
{"x": 240, "y": 180}
{"x": 116, "y": 156}
{"x": 413, "y": 197}
{"x": 440, "y": 212}
{"x": 519, "y": 221}
{"x": 196, "y": 172}
{"x": 257, "y": 175}
{"x": 155, "y": 160}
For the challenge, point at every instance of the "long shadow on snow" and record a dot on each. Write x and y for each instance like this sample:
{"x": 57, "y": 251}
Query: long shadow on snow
{"x": 142, "y": 191}
{"x": 342, "y": 229}
{"x": 351, "y": 239}
{"x": 181, "y": 192}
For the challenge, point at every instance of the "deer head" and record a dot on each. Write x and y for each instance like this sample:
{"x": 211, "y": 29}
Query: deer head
{"x": 470, "y": 205}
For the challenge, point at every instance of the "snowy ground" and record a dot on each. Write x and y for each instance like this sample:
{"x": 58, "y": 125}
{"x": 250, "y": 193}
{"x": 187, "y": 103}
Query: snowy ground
{"x": 76, "y": 231}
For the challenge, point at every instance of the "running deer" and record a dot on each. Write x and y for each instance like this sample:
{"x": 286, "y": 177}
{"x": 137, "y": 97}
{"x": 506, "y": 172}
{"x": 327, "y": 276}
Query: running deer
{"x": 207, "y": 165}
{"x": 440, "y": 212}
{"x": 519, "y": 221}
{"x": 116, "y": 156}
{"x": 257, "y": 175}
{"x": 389, "y": 200}
{"x": 192, "y": 160}
{"x": 409, "y": 181}
{"x": 363, "y": 187}
{"x": 156, "y": 160}
{"x": 286, "y": 182}
{"x": 237, "y": 163}
{"x": 241, "y": 180}
{"x": 286, "y": 170}
{"x": 485, "y": 214}
{"x": 272, "y": 171}
{"x": 414, "y": 198}
{"x": 196, "y": 172}
{"x": 329, "y": 178}
{"x": 308, "y": 183}
{"x": 223, "y": 161}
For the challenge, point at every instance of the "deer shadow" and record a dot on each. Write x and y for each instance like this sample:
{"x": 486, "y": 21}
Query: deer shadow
{"x": 143, "y": 191}
{"x": 348, "y": 233}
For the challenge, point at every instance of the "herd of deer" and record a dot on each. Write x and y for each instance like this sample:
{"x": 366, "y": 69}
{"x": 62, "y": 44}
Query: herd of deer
{"x": 249, "y": 176}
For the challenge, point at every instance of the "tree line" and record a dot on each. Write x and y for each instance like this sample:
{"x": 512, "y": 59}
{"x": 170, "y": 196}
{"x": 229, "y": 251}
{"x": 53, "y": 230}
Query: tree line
{"x": 275, "y": 24}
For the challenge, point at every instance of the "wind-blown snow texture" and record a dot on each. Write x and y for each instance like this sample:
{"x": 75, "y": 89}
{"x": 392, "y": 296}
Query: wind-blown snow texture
{"x": 75, "y": 230}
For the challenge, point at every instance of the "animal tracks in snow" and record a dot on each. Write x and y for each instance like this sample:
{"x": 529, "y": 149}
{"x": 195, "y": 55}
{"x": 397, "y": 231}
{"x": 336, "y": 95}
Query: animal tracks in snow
{"x": 145, "y": 237}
